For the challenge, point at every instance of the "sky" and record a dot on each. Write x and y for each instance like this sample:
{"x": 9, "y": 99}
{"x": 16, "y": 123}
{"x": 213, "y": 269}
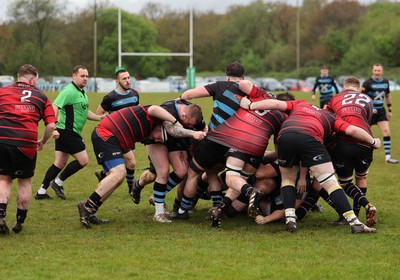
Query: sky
{"x": 134, "y": 6}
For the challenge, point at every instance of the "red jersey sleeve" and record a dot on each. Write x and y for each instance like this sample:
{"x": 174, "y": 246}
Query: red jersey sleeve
{"x": 340, "y": 125}
{"x": 48, "y": 115}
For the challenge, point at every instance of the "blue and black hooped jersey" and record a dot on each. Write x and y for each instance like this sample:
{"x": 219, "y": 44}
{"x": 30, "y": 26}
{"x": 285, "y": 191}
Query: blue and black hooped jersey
{"x": 115, "y": 100}
{"x": 325, "y": 85}
{"x": 226, "y": 96}
{"x": 377, "y": 90}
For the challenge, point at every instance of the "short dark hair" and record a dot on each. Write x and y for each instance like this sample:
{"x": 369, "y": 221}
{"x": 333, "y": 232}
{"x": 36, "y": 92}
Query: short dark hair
{"x": 27, "y": 69}
{"x": 286, "y": 96}
{"x": 324, "y": 67}
{"x": 76, "y": 68}
{"x": 234, "y": 69}
{"x": 120, "y": 71}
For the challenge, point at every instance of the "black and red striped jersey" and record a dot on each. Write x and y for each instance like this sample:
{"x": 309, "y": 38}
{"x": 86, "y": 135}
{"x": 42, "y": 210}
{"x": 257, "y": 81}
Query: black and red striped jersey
{"x": 22, "y": 106}
{"x": 307, "y": 119}
{"x": 355, "y": 108}
{"x": 249, "y": 131}
{"x": 129, "y": 125}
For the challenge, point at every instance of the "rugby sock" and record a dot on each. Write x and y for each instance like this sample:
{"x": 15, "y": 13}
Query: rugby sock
{"x": 310, "y": 199}
{"x": 173, "y": 181}
{"x": 186, "y": 203}
{"x": 216, "y": 197}
{"x": 21, "y": 215}
{"x": 177, "y": 204}
{"x": 3, "y": 210}
{"x": 70, "y": 169}
{"x": 138, "y": 186}
{"x": 51, "y": 174}
{"x": 339, "y": 198}
{"x": 246, "y": 190}
{"x": 93, "y": 203}
{"x": 130, "y": 176}
{"x": 387, "y": 145}
{"x": 159, "y": 190}
{"x": 289, "y": 202}
{"x": 357, "y": 204}
{"x": 357, "y": 195}
{"x": 289, "y": 196}
{"x": 230, "y": 211}
{"x": 200, "y": 190}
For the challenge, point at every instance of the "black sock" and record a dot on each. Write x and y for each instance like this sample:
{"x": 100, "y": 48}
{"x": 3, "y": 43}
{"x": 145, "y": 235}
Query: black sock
{"x": 177, "y": 204}
{"x": 21, "y": 215}
{"x": 70, "y": 169}
{"x": 356, "y": 194}
{"x": 246, "y": 190}
{"x": 226, "y": 201}
{"x": 3, "y": 210}
{"x": 51, "y": 174}
{"x": 357, "y": 203}
{"x": 289, "y": 196}
{"x": 339, "y": 198}
{"x": 138, "y": 186}
{"x": 93, "y": 203}
{"x": 324, "y": 194}
{"x": 130, "y": 176}
{"x": 310, "y": 199}
{"x": 230, "y": 211}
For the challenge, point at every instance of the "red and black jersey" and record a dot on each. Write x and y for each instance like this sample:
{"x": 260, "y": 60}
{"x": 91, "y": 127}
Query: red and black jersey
{"x": 22, "y": 106}
{"x": 249, "y": 131}
{"x": 129, "y": 125}
{"x": 307, "y": 119}
{"x": 355, "y": 108}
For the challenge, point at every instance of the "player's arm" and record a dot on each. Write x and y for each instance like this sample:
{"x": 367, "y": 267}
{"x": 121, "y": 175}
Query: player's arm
{"x": 313, "y": 90}
{"x": 48, "y": 132}
{"x": 268, "y": 104}
{"x": 193, "y": 93}
{"x": 181, "y": 132}
{"x": 94, "y": 117}
{"x": 362, "y": 135}
{"x": 389, "y": 105}
{"x": 100, "y": 110}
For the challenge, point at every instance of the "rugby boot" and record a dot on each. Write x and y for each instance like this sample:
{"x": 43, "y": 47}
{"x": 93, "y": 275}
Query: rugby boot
{"x": 161, "y": 218}
{"x": 392, "y": 161}
{"x": 3, "y": 227}
{"x": 135, "y": 195}
{"x": 84, "y": 214}
{"x": 93, "y": 219}
{"x": 371, "y": 215}
{"x": 59, "y": 190}
{"x": 17, "y": 227}
{"x": 361, "y": 228}
{"x": 39, "y": 196}
{"x": 253, "y": 209}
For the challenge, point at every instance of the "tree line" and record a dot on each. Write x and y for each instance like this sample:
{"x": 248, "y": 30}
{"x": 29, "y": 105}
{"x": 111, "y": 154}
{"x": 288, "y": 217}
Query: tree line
{"x": 346, "y": 35}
